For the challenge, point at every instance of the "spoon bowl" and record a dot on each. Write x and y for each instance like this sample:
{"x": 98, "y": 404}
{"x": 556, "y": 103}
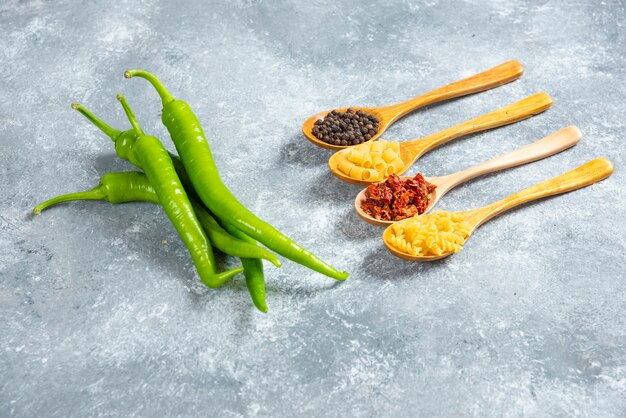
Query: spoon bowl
{"x": 409, "y": 257}
{"x": 434, "y": 197}
{"x": 382, "y": 114}
{"x": 552, "y": 144}
{"x": 411, "y": 151}
{"x": 585, "y": 175}
{"x": 494, "y": 77}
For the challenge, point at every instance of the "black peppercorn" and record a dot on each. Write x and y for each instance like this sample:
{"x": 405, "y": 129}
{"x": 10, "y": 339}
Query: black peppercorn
{"x": 345, "y": 128}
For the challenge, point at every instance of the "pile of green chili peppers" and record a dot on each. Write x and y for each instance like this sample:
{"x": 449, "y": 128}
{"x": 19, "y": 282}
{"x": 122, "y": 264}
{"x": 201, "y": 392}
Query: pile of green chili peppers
{"x": 203, "y": 211}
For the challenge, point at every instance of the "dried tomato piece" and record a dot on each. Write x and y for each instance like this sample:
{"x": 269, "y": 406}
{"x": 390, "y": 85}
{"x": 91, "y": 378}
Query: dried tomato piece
{"x": 379, "y": 192}
{"x": 395, "y": 183}
{"x": 395, "y": 199}
{"x": 376, "y": 210}
{"x": 405, "y": 212}
{"x": 373, "y": 192}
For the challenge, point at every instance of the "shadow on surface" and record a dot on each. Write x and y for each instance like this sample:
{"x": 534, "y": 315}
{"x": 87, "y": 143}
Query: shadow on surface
{"x": 353, "y": 228}
{"x": 377, "y": 263}
{"x": 110, "y": 162}
{"x": 300, "y": 152}
{"x": 328, "y": 188}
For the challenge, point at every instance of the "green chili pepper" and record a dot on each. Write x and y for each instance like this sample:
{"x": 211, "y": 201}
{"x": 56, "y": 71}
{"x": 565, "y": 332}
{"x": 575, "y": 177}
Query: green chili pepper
{"x": 148, "y": 153}
{"x": 253, "y": 268}
{"x": 193, "y": 148}
{"x": 133, "y": 186}
{"x": 114, "y": 188}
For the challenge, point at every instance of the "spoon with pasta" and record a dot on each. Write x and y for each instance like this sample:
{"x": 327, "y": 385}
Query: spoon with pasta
{"x": 440, "y": 234}
{"x": 375, "y": 161}
{"x": 550, "y": 145}
{"x": 386, "y": 116}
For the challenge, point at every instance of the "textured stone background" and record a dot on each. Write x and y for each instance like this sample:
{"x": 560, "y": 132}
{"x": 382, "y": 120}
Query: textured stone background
{"x": 99, "y": 317}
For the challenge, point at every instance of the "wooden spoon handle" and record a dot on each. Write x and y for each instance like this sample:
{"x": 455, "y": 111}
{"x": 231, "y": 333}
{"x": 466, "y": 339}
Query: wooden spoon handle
{"x": 494, "y": 77}
{"x": 589, "y": 173}
{"x": 550, "y": 145}
{"x": 521, "y": 110}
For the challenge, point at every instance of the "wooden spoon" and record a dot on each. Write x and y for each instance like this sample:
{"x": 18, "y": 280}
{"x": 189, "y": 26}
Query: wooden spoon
{"x": 550, "y": 145}
{"x": 496, "y": 76}
{"x": 586, "y": 174}
{"x": 410, "y": 151}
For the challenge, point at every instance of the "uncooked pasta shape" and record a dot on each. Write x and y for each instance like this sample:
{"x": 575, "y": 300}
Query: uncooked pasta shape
{"x": 371, "y": 161}
{"x": 430, "y": 235}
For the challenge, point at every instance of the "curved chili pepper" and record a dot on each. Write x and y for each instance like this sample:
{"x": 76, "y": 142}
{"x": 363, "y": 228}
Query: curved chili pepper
{"x": 193, "y": 148}
{"x": 148, "y": 153}
{"x": 133, "y": 186}
{"x": 113, "y": 187}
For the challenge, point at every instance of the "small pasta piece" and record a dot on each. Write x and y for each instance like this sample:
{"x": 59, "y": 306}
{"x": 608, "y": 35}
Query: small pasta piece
{"x": 395, "y": 167}
{"x": 367, "y": 161}
{"x": 361, "y": 173}
{"x": 389, "y": 155}
{"x": 345, "y": 166}
{"x": 376, "y": 176}
{"x": 377, "y": 147}
{"x": 357, "y": 172}
{"x": 369, "y": 175}
{"x": 356, "y": 156}
{"x": 379, "y": 164}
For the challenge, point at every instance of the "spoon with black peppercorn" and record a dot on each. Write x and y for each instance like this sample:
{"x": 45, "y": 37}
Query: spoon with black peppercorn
{"x": 343, "y": 127}
{"x": 552, "y": 144}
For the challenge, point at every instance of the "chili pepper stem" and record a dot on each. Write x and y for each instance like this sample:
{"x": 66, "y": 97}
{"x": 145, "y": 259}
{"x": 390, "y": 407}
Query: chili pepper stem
{"x": 109, "y": 131}
{"x": 94, "y": 194}
{"x": 165, "y": 95}
{"x": 130, "y": 115}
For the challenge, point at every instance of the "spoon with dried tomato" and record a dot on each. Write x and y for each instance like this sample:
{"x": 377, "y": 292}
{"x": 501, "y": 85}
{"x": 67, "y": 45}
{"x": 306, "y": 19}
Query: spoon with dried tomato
{"x": 402, "y": 197}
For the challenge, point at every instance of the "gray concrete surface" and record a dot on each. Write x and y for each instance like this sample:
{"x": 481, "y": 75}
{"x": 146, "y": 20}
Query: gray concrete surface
{"x": 101, "y": 313}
